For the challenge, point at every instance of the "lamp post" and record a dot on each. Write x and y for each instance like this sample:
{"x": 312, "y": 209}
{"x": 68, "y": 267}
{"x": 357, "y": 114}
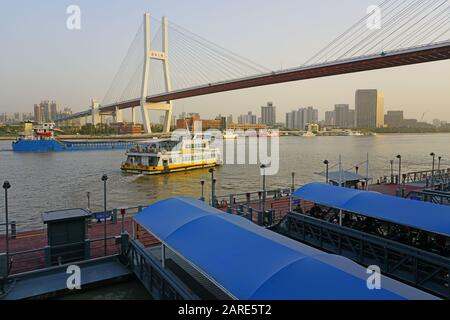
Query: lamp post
{"x": 88, "y": 195}
{"x": 399, "y": 157}
{"x": 6, "y": 186}
{"x": 439, "y": 163}
{"x": 104, "y": 179}
{"x": 392, "y": 171}
{"x": 263, "y": 167}
{"x": 202, "y": 198}
{"x": 326, "y": 163}
{"x": 432, "y": 169}
{"x": 292, "y": 182}
{"x": 213, "y": 187}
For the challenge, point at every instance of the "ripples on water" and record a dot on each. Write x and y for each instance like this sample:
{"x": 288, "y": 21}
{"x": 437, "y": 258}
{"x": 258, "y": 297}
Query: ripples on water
{"x": 49, "y": 181}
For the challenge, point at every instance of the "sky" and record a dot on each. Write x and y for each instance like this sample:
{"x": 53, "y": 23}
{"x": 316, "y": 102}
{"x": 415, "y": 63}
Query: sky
{"x": 41, "y": 59}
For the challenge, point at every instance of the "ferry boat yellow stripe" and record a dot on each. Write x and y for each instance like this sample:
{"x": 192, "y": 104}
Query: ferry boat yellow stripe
{"x": 170, "y": 167}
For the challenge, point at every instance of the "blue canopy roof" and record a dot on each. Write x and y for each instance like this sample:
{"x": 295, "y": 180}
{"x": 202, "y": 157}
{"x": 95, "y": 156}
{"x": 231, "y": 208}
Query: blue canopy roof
{"x": 250, "y": 262}
{"x": 343, "y": 176}
{"x": 416, "y": 214}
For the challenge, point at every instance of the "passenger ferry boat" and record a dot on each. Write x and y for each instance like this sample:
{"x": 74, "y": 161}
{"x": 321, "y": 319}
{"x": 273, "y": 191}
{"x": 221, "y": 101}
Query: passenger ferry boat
{"x": 165, "y": 156}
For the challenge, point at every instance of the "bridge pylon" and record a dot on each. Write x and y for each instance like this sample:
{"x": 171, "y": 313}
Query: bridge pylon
{"x": 163, "y": 56}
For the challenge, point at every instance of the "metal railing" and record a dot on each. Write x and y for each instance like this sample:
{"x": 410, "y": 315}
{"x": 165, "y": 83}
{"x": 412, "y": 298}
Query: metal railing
{"x": 422, "y": 269}
{"x": 44, "y": 257}
{"x": 160, "y": 282}
{"x": 433, "y": 196}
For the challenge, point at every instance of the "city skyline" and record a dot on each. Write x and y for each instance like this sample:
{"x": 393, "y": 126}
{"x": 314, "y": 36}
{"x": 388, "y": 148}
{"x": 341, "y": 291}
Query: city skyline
{"x": 403, "y": 87}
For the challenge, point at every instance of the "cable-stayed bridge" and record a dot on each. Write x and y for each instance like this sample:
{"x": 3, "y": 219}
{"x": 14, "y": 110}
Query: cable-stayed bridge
{"x": 167, "y": 62}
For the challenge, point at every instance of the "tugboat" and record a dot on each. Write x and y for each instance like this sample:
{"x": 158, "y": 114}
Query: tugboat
{"x": 165, "y": 156}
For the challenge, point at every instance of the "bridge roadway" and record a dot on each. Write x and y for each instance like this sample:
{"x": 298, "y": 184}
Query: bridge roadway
{"x": 429, "y": 53}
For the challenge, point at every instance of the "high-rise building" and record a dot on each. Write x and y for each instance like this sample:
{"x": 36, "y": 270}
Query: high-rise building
{"x": 290, "y": 120}
{"x": 248, "y": 118}
{"x": 343, "y": 116}
{"x": 298, "y": 119}
{"x": 269, "y": 114}
{"x": 329, "y": 118}
{"x": 38, "y": 114}
{"x": 369, "y": 106}
{"x": 54, "y": 111}
{"x": 394, "y": 119}
{"x": 351, "y": 118}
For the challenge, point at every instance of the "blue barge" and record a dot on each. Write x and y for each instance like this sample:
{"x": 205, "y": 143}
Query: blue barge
{"x": 40, "y": 138}
{"x": 50, "y": 145}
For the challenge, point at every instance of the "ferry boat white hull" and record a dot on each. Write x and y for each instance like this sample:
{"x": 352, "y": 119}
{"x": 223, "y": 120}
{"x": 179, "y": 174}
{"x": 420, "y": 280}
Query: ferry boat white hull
{"x": 168, "y": 156}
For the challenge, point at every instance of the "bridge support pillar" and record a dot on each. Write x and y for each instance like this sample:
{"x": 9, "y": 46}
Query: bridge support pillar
{"x": 133, "y": 115}
{"x": 95, "y": 113}
{"x": 118, "y": 115}
{"x": 164, "y": 57}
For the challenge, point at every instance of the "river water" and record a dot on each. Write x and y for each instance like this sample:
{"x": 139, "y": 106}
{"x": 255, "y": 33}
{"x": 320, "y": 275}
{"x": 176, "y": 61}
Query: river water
{"x": 49, "y": 181}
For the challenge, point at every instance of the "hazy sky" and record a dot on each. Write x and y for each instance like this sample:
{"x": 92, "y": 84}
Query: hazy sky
{"x": 41, "y": 59}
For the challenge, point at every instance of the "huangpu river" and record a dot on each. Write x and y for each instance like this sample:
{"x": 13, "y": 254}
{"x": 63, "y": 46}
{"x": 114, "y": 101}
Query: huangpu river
{"x": 49, "y": 181}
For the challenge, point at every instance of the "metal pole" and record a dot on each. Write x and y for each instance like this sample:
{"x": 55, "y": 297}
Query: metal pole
{"x": 104, "y": 179}
{"x": 367, "y": 172}
{"x": 264, "y": 187}
{"x": 88, "y": 194}
{"x": 292, "y": 182}
{"x": 203, "y": 188}
{"x": 340, "y": 171}
{"x": 439, "y": 163}
{"x": 326, "y": 163}
{"x": 392, "y": 171}
{"x": 212, "y": 186}
{"x": 6, "y": 186}
{"x": 432, "y": 169}
{"x": 399, "y": 157}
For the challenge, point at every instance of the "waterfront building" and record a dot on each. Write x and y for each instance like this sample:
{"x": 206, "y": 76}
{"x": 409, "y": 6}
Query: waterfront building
{"x": 329, "y": 118}
{"x": 38, "y": 115}
{"x": 248, "y": 118}
{"x": 268, "y": 114}
{"x": 290, "y": 120}
{"x": 218, "y": 123}
{"x": 369, "y": 104}
{"x": 394, "y": 119}
{"x": 298, "y": 119}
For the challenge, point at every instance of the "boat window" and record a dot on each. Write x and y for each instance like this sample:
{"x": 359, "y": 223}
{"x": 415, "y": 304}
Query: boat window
{"x": 153, "y": 161}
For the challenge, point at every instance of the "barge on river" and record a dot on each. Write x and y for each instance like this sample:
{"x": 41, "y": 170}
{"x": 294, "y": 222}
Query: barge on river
{"x": 41, "y": 138}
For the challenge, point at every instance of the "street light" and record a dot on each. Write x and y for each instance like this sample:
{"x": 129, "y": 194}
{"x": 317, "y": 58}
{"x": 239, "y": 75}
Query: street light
{"x": 88, "y": 195}
{"x": 439, "y": 163}
{"x": 6, "y": 186}
{"x": 104, "y": 179}
{"x": 213, "y": 188}
{"x": 263, "y": 167}
{"x": 432, "y": 168}
{"x": 326, "y": 163}
{"x": 292, "y": 182}
{"x": 202, "y": 198}
{"x": 392, "y": 171}
{"x": 399, "y": 157}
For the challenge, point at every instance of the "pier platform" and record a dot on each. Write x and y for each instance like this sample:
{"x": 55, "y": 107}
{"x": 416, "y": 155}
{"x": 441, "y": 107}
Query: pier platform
{"x": 27, "y": 249}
